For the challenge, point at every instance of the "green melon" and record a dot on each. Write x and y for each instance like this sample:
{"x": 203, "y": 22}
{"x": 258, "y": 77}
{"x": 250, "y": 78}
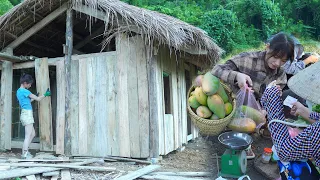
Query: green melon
{"x": 200, "y": 96}
{"x": 204, "y": 112}
{"x": 216, "y": 105}
{"x": 193, "y": 102}
{"x": 210, "y": 84}
{"x": 222, "y": 93}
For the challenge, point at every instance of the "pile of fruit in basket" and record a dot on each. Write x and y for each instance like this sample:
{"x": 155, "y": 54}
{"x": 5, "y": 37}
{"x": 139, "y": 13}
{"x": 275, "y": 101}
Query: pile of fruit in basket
{"x": 209, "y": 100}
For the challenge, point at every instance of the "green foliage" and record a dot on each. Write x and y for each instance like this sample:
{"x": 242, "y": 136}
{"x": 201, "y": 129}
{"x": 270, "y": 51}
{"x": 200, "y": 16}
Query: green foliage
{"x": 5, "y": 5}
{"x": 243, "y": 24}
{"x": 224, "y": 26}
{"x": 316, "y": 108}
{"x": 15, "y": 2}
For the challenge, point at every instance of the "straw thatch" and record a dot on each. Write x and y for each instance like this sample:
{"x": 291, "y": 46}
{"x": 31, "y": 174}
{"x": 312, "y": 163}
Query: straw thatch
{"x": 154, "y": 26}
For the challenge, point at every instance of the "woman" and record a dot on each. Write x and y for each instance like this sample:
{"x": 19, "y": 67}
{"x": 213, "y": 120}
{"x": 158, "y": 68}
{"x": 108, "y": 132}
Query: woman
{"x": 258, "y": 69}
{"x": 294, "y": 153}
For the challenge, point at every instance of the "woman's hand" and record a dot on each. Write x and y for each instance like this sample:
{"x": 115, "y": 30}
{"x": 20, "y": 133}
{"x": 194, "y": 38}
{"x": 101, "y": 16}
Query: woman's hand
{"x": 299, "y": 109}
{"x": 243, "y": 79}
{"x": 274, "y": 83}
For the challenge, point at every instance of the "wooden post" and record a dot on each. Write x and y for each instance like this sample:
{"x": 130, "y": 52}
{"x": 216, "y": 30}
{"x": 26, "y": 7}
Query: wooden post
{"x": 153, "y": 101}
{"x": 194, "y": 129}
{"x": 68, "y": 54}
{"x": 45, "y": 111}
{"x": 6, "y": 103}
{"x": 61, "y": 95}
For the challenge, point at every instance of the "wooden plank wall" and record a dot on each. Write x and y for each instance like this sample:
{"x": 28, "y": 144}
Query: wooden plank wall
{"x": 110, "y": 109}
{"x": 132, "y": 99}
{"x": 175, "y": 67}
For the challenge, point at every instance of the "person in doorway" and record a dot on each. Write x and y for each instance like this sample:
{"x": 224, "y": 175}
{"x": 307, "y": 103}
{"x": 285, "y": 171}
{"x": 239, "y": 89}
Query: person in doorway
{"x": 258, "y": 69}
{"x": 294, "y": 153}
{"x": 25, "y": 97}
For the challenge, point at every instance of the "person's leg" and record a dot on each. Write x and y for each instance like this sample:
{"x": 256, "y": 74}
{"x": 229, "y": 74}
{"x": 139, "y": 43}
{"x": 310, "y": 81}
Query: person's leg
{"x": 32, "y": 135}
{"x": 27, "y": 137}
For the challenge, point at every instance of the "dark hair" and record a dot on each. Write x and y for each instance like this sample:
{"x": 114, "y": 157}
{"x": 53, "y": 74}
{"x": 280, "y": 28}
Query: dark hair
{"x": 282, "y": 46}
{"x": 26, "y": 78}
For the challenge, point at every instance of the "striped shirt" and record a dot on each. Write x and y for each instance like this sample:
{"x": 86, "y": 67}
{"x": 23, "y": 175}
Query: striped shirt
{"x": 293, "y": 67}
{"x": 254, "y": 65}
{"x": 305, "y": 145}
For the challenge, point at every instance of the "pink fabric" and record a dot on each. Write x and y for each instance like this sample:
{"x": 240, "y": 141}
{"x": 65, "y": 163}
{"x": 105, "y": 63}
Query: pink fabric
{"x": 293, "y": 132}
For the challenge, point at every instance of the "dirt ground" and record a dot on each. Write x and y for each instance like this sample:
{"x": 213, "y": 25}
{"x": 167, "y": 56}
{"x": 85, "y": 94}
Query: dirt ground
{"x": 198, "y": 156}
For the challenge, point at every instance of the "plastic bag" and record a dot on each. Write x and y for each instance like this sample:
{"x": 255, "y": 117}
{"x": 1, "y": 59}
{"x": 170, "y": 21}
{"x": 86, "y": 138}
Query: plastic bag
{"x": 248, "y": 115}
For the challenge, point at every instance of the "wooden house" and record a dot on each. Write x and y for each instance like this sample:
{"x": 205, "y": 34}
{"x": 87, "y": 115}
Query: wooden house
{"x": 119, "y": 76}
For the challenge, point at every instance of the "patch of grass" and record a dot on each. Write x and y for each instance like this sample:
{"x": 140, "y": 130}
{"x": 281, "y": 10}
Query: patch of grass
{"x": 311, "y": 46}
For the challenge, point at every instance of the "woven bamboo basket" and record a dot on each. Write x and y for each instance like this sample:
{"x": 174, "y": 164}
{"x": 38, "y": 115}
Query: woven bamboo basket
{"x": 212, "y": 127}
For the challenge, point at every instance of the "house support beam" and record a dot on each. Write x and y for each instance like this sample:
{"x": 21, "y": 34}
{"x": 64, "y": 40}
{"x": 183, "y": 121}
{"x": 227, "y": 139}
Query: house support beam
{"x": 6, "y": 103}
{"x": 31, "y": 43}
{"x": 89, "y": 38}
{"x": 103, "y": 16}
{"x": 11, "y": 58}
{"x": 153, "y": 70}
{"x": 38, "y": 26}
{"x": 67, "y": 65}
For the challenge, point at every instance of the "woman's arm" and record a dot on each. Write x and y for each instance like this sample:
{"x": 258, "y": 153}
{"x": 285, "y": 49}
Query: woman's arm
{"x": 229, "y": 72}
{"x": 299, "y": 109}
{"x": 36, "y": 98}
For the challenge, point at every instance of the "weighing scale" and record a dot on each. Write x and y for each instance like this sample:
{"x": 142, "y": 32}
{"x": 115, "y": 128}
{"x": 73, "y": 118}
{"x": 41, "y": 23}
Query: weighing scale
{"x": 234, "y": 159}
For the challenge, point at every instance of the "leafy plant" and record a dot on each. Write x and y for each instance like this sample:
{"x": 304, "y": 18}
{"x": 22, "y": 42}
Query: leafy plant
{"x": 316, "y": 108}
{"x": 5, "y": 5}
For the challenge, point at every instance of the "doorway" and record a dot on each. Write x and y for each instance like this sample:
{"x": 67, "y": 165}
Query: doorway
{"x": 17, "y": 136}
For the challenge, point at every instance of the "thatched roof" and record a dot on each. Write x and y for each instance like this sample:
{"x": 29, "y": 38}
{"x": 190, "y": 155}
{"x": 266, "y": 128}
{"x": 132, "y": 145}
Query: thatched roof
{"x": 122, "y": 18}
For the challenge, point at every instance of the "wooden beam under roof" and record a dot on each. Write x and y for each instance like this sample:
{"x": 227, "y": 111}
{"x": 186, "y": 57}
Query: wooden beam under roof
{"x": 31, "y": 43}
{"x": 45, "y": 21}
{"x": 89, "y": 38}
{"x": 103, "y": 16}
{"x": 11, "y": 58}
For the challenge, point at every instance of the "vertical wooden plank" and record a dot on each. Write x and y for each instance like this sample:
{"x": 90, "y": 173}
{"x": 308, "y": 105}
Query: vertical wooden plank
{"x": 194, "y": 129}
{"x": 61, "y": 95}
{"x": 169, "y": 132}
{"x": 154, "y": 101}
{"x": 91, "y": 89}
{"x": 179, "y": 91}
{"x": 143, "y": 98}
{"x": 159, "y": 73}
{"x": 69, "y": 45}
{"x": 83, "y": 116}
{"x": 113, "y": 126}
{"x": 101, "y": 145}
{"x": 184, "y": 103}
{"x": 6, "y": 103}
{"x": 133, "y": 108}
{"x": 74, "y": 107}
{"x": 44, "y": 111}
{"x": 122, "y": 47}
{"x": 174, "y": 102}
